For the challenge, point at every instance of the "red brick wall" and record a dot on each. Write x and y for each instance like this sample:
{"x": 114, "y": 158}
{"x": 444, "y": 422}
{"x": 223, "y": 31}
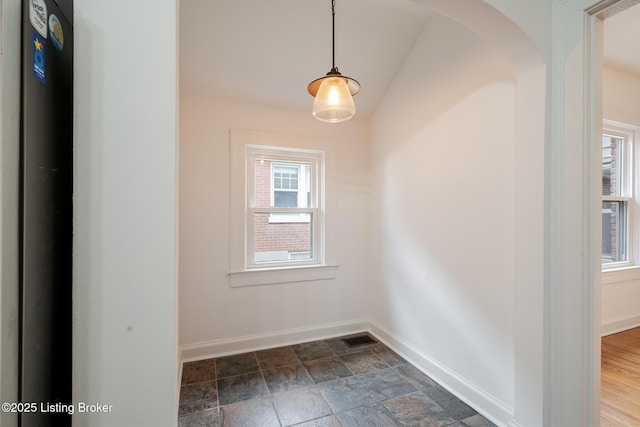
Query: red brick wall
{"x": 262, "y": 184}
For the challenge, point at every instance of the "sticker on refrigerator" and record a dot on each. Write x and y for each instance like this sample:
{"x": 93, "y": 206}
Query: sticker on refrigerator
{"x": 55, "y": 30}
{"x": 38, "y": 16}
{"x": 38, "y": 58}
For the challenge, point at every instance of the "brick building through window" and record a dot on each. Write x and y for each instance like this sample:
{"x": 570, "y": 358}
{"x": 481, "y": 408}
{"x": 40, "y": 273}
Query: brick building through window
{"x": 282, "y": 236}
{"x": 619, "y": 195}
{"x": 613, "y": 211}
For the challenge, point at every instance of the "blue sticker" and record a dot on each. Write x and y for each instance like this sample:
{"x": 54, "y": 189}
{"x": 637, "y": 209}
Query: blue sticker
{"x": 38, "y": 58}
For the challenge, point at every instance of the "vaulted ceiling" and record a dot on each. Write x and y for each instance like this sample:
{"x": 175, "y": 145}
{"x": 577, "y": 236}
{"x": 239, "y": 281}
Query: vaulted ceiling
{"x": 267, "y": 51}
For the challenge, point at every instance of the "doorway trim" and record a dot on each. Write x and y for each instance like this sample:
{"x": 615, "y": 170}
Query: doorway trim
{"x": 576, "y": 126}
{"x": 572, "y": 392}
{"x": 10, "y": 24}
{"x": 593, "y": 67}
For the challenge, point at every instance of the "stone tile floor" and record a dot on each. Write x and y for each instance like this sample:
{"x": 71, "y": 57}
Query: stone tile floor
{"x": 317, "y": 384}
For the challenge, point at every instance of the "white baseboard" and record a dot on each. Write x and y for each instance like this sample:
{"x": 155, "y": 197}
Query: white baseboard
{"x": 487, "y": 405}
{"x": 616, "y": 324}
{"x": 218, "y": 348}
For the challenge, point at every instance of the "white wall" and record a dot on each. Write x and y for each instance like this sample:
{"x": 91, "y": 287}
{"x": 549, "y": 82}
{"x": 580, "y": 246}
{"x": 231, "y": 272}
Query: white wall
{"x": 557, "y": 311}
{"x": 10, "y": 11}
{"x": 443, "y": 161}
{"x": 125, "y": 249}
{"x": 620, "y": 97}
{"x": 216, "y": 318}
{"x": 620, "y": 295}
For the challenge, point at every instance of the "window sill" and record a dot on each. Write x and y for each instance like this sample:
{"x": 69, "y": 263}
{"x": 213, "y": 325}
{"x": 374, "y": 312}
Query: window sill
{"x": 270, "y": 276}
{"x": 621, "y": 274}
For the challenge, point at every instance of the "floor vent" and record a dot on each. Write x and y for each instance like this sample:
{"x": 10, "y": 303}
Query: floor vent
{"x": 359, "y": 340}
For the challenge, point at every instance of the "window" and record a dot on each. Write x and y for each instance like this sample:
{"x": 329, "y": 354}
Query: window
{"x": 618, "y": 196}
{"x": 283, "y": 202}
{"x": 281, "y": 216}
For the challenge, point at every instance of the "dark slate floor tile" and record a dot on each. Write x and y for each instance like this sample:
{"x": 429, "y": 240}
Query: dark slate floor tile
{"x": 300, "y": 405}
{"x": 197, "y": 397}
{"x": 249, "y": 413}
{"x": 206, "y": 418}
{"x": 327, "y": 369}
{"x": 474, "y": 421}
{"x": 346, "y": 393}
{"x": 330, "y": 421}
{"x": 389, "y": 356}
{"x": 312, "y": 350}
{"x": 276, "y": 357}
{"x": 415, "y": 376}
{"x": 235, "y": 365}
{"x": 417, "y": 410}
{"x": 360, "y": 363}
{"x": 199, "y": 371}
{"x": 313, "y": 385}
{"x": 386, "y": 384}
{"x": 241, "y": 387}
{"x": 287, "y": 378}
{"x": 454, "y": 406}
{"x": 367, "y": 416}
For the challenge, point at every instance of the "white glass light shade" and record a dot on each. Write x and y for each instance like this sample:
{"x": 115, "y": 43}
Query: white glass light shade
{"x": 333, "y": 102}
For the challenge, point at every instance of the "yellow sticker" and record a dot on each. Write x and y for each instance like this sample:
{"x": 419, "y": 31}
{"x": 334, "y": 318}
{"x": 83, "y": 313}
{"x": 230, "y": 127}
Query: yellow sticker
{"x": 55, "y": 30}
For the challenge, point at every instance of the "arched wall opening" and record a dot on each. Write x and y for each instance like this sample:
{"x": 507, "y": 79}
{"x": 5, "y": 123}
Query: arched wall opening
{"x": 458, "y": 165}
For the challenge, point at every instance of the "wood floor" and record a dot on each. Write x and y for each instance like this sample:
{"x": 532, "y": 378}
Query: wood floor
{"x": 620, "y": 394}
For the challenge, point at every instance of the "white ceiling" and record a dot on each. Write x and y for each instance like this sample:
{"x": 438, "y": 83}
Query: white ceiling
{"x": 622, "y": 40}
{"x": 267, "y": 51}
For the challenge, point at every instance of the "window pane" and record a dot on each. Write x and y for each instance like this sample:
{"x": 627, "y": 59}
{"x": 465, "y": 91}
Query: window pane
{"x": 614, "y": 232}
{"x": 612, "y": 166}
{"x": 281, "y": 241}
{"x": 285, "y": 177}
{"x": 285, "y": 199}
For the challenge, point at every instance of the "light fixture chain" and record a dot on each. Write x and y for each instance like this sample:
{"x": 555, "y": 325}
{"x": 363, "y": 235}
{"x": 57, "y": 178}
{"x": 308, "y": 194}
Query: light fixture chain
{"x": 333, "y": 92}
{"x": 333, "y": 33}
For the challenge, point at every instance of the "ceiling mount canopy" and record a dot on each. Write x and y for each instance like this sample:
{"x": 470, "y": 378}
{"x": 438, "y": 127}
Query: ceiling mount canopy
{"x": 333, "y": 92}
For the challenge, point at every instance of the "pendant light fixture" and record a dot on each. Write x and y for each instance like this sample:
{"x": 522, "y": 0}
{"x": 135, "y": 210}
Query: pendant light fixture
{"x": 333, "y": 92}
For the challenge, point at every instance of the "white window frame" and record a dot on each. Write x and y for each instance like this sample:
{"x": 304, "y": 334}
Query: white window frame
{"x": 629, "y": 192}
{"x": 244, "y": 146}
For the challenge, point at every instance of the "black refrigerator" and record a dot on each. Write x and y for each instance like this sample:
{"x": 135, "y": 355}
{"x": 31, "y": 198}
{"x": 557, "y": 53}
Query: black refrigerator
{"x": 46, "y": 213}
